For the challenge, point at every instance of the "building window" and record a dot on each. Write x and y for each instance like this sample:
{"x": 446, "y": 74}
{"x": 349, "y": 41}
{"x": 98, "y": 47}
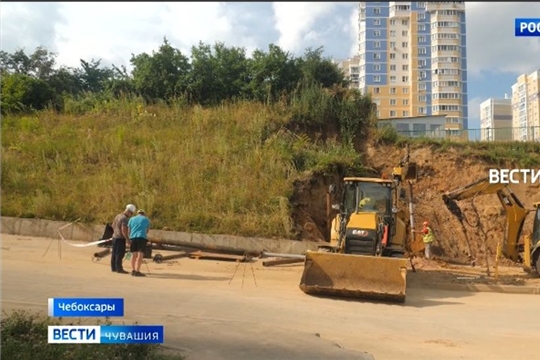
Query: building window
{"x": 377, "y": 11}
{"x": 420, "y": 5}
{"x": 392, "y": 113}
{"x": 378, "y": 113}
{"x": 393, "y": 23}
{"x": 392, "y": 101}
{"x": 422, "y": 63}
{"x": 421, "y": 110}
{"x": 377, "y": 56}
{"x": 422, "y": 75}
{"x": 405, "y": 22}
{"x": 404, "y": 33}
{"x": 392, "y": 79}
{"x": 422, "y": 86}
{"x": 422, "y": 98}
{"x": 392, "y": 33}
{"x": 377, "y": 90}
{"x": 405, "y": 90}
{"x": 392, "y": 67}
{"x": 376, "y": 22}
{"x": 405, "y": 113}
{"x": 392, "y": 45}
{"x": 376, "y": 67}
{"x": 405, "y": 44}
{"x": 392, "y": 90}
{"x": 406, "y": 102}
{"x": 377, "y": 102}
{"x": 376, "y": 44}
{"x": 376, "y": 33}
{"x": 376, "y": 78}
{"x": 422, "y": 16}
{"x": 422, "y": 51}
{"x": 405, "y": 56}
{"x": 421, "y": 27}
{"x": 421, "y": 39}
{"x": 405, "y": 67}
{"x": 405, "y": 79}
{"x": 392, "y": 55}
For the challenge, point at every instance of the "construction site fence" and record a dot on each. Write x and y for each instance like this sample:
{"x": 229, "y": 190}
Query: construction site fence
{"x": 525, "y": 134}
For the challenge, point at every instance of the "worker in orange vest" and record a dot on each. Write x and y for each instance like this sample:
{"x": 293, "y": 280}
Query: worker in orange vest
{"x": 428, "y": 237}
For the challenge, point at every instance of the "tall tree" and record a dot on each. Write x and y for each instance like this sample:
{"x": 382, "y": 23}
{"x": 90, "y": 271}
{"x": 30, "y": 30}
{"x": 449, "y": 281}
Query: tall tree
{"x": 323, "y": 71}
{"x": 218, "y": 75}
{"x": 273, "y": 73}
{"x": 39, "y": 64}
{"x": 21, "y": 92}
{"x": 162, "y": 75}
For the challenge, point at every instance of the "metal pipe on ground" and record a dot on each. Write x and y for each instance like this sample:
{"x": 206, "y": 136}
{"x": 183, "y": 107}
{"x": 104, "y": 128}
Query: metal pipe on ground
{"x": 158, "y": 258}
{"x": 213, "y": 248}
{"x": 288, "y": 256}
{"x": 102, "y": 253}
{"x": 282, "y": 262}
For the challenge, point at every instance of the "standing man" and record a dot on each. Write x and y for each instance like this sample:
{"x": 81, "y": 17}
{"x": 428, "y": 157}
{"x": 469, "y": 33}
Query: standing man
{"x": 428, "y": 238}
{"x": 138, "y": 234}
{"x": 120, "y": 238}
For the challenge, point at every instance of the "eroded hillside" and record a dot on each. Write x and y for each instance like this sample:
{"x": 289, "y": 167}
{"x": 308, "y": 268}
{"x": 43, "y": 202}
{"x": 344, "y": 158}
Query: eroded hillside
{"x": 439, "y": 171}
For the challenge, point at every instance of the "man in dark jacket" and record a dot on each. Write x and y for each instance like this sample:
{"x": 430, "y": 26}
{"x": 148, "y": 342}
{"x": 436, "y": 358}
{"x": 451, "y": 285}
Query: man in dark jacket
{"x": 121, "y": 238}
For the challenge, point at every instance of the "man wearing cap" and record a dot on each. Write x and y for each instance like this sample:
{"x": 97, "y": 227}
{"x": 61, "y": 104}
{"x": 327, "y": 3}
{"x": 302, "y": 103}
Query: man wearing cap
{"x": 120, "y": 238}
{"x": 138, "y": 234}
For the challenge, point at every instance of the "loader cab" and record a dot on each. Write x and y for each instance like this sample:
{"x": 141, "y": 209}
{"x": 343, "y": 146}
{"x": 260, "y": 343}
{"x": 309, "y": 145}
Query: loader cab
{"x": 368, "y": 196}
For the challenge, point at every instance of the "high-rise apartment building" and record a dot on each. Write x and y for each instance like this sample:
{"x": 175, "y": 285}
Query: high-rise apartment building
{"x": 413, "y": 59}
{"x": 350, "y": 70}
{"x": 526, "y": 107}
{"x": 496, "y": 120}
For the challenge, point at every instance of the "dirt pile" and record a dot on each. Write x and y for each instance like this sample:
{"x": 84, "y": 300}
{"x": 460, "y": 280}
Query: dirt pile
{"x": 439, "y": 171}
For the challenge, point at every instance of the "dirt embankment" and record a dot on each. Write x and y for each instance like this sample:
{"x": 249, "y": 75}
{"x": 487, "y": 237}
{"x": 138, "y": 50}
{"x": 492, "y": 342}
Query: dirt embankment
{"x": 438, "y": 172}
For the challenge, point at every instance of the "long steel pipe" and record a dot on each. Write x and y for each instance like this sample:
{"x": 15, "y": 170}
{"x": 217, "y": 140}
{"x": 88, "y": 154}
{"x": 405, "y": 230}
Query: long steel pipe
{"x": 277, "y": 255}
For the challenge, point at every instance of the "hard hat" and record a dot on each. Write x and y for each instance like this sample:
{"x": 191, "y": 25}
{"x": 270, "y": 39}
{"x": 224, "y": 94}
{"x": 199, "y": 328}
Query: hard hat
{"x": 425, "y": 223}
{"x": 131, "y": 208}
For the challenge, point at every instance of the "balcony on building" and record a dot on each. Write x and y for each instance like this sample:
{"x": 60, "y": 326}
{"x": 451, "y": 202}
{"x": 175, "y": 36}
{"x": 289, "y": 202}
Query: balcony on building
{"x": 448, "y": 5}
{"x": 400, "y": 9}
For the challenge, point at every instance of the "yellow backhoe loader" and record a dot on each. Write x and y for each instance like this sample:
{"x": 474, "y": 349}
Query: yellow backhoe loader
{"x": 365, "y": 257}
{"x": 527, "y": 253}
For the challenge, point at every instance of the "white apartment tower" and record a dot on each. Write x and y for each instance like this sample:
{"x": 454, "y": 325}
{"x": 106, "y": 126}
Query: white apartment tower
{"x": 526, "y": 107}
{"x": 413, "y": 59}
{"x": 496, "y": 119}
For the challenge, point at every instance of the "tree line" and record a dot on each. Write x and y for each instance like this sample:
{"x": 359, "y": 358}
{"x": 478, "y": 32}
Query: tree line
{"x": 211, "y": 75}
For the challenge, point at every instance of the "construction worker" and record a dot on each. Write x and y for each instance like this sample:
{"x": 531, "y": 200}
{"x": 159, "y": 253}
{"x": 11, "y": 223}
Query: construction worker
{"x": 428, "y": 238}
{"x": 366, "y": 204}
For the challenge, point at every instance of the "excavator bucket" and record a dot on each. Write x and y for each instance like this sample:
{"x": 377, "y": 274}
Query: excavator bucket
{"x": 359, "y": 276}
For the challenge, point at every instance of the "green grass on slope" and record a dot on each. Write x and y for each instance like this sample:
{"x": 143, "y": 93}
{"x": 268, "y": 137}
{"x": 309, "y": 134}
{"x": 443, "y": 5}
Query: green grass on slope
{"x": 223, "y": 170}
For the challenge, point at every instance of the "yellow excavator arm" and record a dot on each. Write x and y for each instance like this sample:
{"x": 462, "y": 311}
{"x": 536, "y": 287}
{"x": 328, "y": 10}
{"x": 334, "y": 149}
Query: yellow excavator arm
{"x": 514, "y": 210}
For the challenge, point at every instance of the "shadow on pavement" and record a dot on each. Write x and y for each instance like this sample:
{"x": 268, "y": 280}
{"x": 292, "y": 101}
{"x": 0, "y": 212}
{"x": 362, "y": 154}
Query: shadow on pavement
{"x": 187, "y": 277}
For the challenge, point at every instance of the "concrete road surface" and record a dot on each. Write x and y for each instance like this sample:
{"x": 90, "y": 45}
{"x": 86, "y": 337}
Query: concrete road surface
{"x": 260, "y": 313}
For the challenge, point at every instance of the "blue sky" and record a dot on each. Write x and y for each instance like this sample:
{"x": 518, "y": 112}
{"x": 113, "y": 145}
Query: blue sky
{"x": 113, "y": 31}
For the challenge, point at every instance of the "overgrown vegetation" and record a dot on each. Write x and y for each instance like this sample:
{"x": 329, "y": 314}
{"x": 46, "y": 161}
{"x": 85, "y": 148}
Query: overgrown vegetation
{"x": 504, "y": 154}
{"x": 225, "y": 169}
{"x": 208, "y": 144}
{"x": 24, "y": 337}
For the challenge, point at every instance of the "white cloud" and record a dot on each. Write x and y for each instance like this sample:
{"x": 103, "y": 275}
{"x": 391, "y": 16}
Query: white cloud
{"x": 491, "y": 43}
{"x": 294, "y": 20}
{"x": 474, "y": 112}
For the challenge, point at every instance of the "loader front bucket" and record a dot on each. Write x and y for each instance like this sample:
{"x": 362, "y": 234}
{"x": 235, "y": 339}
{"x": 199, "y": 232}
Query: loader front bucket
{"x": 358, "y": 276}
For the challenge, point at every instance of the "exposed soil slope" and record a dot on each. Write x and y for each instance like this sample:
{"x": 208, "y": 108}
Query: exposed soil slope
{"x": 438, "y": 172}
